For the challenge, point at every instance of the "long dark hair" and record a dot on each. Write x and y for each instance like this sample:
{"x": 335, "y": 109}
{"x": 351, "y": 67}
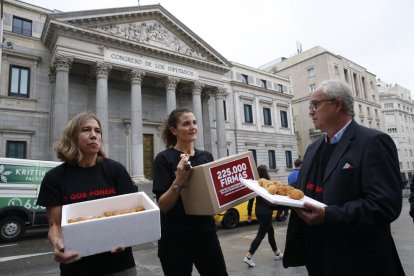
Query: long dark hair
{"x": 263, "y": 173}
{"x": 167, "y": 136}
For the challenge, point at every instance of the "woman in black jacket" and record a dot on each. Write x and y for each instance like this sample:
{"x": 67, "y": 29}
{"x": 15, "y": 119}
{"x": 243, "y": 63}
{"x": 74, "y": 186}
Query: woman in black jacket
{"x": 264, "y": 215}
{"x": 411, "y": 198}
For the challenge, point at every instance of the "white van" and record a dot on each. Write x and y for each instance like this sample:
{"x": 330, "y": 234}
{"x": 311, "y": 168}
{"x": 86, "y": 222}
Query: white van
{"x": 20, "y": 181}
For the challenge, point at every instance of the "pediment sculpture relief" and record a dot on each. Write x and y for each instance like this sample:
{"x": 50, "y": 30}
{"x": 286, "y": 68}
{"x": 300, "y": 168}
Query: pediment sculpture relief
{"x": 153, "y": 33}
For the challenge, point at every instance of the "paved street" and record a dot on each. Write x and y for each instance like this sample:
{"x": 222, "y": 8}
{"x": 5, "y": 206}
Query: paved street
{"x": 32, "y": 256}
{"x": 236, "y": 242}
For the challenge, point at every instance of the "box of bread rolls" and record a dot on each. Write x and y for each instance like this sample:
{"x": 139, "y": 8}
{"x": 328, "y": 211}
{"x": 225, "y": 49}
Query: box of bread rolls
{"x": 101, "y": 225}
{"x": 215, "y": 187}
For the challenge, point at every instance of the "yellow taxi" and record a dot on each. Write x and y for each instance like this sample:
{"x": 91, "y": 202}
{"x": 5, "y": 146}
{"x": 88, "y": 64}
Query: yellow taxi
{"x": 233, "y": 216}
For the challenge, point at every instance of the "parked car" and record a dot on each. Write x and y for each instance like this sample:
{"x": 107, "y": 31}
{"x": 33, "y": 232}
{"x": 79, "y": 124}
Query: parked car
{"x": 20, "y": 181}
{"x": 238, "y": 214}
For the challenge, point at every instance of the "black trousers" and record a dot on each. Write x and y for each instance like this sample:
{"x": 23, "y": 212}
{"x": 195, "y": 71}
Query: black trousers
{"x": 177, "y": 256}
{"x": 265, "y": 227}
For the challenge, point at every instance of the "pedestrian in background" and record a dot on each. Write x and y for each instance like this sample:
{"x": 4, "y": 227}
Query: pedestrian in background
{"x": 283, "y": 211}
{"x": 263, "y": 213}
{"x": 411, "y": 198}
{"x": 185, "y": 239}
{"x": 293, "y": 176}
{"x": 355, "y": 171}
{"x": 85, "y": 169}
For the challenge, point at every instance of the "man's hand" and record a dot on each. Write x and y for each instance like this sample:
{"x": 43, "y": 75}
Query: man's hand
{"x": 249, "y": 218}
{"x": 311, "y": 214}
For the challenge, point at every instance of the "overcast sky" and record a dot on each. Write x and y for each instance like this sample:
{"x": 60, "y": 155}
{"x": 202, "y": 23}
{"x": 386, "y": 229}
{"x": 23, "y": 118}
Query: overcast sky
{"x": 376, "y": 34}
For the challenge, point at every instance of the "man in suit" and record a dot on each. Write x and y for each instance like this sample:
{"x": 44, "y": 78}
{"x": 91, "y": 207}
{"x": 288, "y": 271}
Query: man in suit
{"x": 355, "y": 171}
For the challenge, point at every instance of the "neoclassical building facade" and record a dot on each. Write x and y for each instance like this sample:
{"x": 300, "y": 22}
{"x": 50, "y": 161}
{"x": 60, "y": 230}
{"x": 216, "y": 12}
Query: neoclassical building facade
{"x": 307, "y": 69}
{"x": 131, "y": 67}
{"x": 398, "y": 109}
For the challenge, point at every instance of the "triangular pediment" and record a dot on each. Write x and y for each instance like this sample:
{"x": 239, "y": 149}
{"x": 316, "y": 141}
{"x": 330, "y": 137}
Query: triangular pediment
{"x": 150, "y": 27}
{"x": 151, "y": 32}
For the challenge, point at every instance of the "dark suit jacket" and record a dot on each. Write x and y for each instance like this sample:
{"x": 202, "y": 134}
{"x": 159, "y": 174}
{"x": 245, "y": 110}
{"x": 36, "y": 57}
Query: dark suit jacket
{"x": 362, "y": 191}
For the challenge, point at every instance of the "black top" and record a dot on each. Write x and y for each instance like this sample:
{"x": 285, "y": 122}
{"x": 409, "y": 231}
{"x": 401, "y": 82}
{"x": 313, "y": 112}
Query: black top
{"x": 175, "y": 223}
{"x": 66, "y": 184}
{"x": 262, "y": 207}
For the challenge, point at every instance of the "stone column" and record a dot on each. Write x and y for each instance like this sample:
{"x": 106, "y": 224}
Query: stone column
{"x": 52, "y": 90}
{"x": 61, "y": 65}
{"x": 137, "y": 143}
{"x": 171, "y": 85}
{"x": 102, "y": 72}
{"x": 198, "y": 113}
{"x": 219, "y": 95}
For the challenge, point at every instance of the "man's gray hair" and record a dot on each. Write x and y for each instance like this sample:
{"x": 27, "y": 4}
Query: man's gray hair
{"x": 336, "y": 89}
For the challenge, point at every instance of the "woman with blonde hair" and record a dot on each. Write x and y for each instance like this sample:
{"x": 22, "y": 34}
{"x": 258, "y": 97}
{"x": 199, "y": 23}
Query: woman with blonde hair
{"x": 85, "y": 170}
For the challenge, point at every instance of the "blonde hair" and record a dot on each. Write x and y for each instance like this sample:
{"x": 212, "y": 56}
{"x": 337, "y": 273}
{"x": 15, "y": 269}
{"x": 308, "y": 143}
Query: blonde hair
{"x": 67, "y": 148}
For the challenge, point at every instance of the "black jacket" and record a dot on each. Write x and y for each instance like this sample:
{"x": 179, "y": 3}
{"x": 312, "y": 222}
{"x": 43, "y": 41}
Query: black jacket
{"x": 262, "y": 207}
{"x": 362, "y": 191}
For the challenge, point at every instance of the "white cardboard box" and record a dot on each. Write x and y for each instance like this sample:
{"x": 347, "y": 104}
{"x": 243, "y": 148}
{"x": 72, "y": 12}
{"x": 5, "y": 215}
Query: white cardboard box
{"x": 104, "y": 234}
{"x": 215, "y": 187}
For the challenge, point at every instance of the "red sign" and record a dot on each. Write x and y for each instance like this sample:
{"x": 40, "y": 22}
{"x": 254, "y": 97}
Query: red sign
{"x": 226, "y": 180}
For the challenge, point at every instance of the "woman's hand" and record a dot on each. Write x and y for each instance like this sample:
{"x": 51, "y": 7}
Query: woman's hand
{"x": 183, "y": 170}
{"x": 60, "y": 255}
{"x": 118, "y": 249}
{"x": 54, "y": 216}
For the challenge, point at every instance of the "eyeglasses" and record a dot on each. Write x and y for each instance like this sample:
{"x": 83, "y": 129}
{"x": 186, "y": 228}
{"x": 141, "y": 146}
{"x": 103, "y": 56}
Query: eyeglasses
{"x": 313, "y": 106}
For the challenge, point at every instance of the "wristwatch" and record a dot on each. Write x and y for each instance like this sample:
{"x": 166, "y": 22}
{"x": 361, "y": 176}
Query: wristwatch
{"x": 176, "y": 188}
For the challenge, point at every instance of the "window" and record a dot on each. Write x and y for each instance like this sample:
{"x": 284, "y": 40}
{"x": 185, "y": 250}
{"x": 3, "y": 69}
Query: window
{"x": 284, "y": 119}
{"x": 312, "y": 87}
{"x": 263, "y": 84}
{"x": 346, "y": 75}
{"x": 279, "y": 87}
{"x": 248, "y": 114}
{"x": 311, "y": 72}
{"x": 225, "y": 110}
{"x": 267, "y": 117}
{"x": 22, "y": 26}
{"x": 16, "y": 149}
{"x": 254, "y": 155}
{"x": 19, "y": 81}
{"x": 272, "y": 159}
{"x": 288, "y": 155}
{"x": 336, "y": 70}
{"x": 245, "y": 79}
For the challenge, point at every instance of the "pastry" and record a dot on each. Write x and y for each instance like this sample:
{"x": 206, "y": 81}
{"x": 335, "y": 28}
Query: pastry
{"x": 295, "y": 194}
{"x": 108, "y": 214}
